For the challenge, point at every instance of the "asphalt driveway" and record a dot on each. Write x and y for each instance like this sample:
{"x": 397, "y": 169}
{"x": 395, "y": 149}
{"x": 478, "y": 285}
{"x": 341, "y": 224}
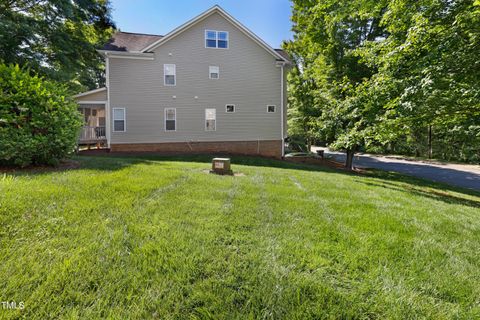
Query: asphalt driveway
{"x": 466, "y": 176}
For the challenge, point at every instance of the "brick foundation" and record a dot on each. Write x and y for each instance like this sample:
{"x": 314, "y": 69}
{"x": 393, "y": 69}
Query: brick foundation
{"x": 265, "y": 148}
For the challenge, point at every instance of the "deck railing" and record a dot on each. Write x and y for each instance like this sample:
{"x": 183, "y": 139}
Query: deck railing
{"x": 92, "y": 134}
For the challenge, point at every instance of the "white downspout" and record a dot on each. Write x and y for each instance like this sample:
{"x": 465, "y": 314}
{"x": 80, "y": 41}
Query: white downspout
{"x": 281, "y": 110}
{"x": 107, "y": 112}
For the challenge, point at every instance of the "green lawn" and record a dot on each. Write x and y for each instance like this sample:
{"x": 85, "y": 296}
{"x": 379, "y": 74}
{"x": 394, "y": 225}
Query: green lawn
{"x": 127, "y": 238}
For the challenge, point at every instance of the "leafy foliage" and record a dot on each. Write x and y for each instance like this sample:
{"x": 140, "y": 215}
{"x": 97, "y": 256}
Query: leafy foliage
{"x": 432, "y": 57}
{"x": 38, "y": 123}
{"x": 394, "y": 75}
{"x": 303, "y": 111}
{"x": 56, "y": 38}
{"x": 326, "y": 36}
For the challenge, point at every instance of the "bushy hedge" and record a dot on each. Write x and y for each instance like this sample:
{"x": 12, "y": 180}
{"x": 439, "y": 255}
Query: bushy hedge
{"x": 39, "y": 123}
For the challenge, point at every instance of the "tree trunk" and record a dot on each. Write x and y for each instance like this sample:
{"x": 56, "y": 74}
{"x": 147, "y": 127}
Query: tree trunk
{"x": 309, "y": 145}
{"x": 349, "y": 160}
{"x": 430, "y": 151}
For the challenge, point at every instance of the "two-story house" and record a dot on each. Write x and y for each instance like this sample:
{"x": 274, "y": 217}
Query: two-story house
{"x": 209, "y": 86}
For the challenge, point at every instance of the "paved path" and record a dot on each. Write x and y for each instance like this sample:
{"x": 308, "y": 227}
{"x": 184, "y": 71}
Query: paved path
{"x": 466, "y": 176}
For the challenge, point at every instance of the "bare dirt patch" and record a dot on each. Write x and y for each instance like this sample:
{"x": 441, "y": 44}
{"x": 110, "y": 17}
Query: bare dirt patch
{"x": 235, "y": 174}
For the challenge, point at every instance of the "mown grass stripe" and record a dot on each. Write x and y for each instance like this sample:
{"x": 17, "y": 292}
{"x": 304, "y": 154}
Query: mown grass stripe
{"x": 159, "y": 238}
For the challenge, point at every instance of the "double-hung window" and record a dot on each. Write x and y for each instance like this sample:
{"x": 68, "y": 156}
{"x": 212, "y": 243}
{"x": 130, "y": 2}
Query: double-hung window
{"x": 170, "y": 119}
{"x": 119, "y": 120}
{"x": 214, "y": 72}
{"x": 210, "y": 119}
{"x": 216, "y": 39}
{"x": 170, "y": 74}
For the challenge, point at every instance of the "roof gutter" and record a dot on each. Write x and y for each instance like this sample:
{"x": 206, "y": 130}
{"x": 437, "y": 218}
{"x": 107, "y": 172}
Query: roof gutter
{"x": 281, "y": 65}
{"x": 127, "y": 54}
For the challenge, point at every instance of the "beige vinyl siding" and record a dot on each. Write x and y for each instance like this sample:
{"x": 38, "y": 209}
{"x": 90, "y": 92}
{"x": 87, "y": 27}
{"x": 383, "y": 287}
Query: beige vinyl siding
{"x": 98, "y": 96}
{"x": 249, "y": 79}
{"x": 285, "y": 102}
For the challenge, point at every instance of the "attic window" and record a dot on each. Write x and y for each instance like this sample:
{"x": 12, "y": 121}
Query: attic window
{"x": 216, "y": 39}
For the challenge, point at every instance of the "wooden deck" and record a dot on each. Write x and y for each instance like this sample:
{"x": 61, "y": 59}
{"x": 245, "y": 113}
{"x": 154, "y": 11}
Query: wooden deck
{"x": 92, "y": 135}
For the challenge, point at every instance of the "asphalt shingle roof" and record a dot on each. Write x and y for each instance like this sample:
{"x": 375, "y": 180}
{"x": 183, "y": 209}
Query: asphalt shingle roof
{"x": 128, "y": 42}
{"x": 135, "y": 42}
{"x": 283, "y": 54}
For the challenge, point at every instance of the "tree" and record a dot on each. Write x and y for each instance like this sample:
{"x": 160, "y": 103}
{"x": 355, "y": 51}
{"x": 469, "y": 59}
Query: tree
{"x": 388, "y": 72}
{"x": 432, "y": 53}
{"x": 328, "y": 32}
{"x": 39, "y": 123}
{"x": 302, "y": 109}
{"x": 56, "y": 38}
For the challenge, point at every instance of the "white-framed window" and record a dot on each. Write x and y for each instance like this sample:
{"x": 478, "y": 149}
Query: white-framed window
{"x": 210, "y": 119}
{"x": 230, "y": 108}
{"x": 216, "y": 39}
{"x": 271, "y": 108}
{"x": 119, "y": 122}
{"x": 170, "y": 119}
{"x": 214, "y": 72}
{"x": 170, "y": 74}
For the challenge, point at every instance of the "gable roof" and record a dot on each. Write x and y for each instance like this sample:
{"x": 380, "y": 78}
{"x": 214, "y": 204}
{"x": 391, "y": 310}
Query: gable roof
{"x": 283, "y": 53}
{"x": 130, "y": 42}
{"x": 134, "y": 42}
{"x": 83, "y": 94}
{"x": 228, "y": 17}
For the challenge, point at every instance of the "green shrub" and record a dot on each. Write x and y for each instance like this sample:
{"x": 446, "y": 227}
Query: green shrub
{"x": 296, "y": 143}
{"x": 39, "y": 123}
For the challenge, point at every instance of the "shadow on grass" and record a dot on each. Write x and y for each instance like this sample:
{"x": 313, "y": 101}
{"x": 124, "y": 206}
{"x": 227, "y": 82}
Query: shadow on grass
{"x": 119, "y": 160}
{"x": 274, "y": 163}
{"x": 444, "y": 174}
{"x": 438, "y": 195}
{"x": 390, "y": 180}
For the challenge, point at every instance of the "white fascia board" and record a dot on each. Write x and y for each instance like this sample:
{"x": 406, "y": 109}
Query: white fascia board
{"x": 92, "y": 102}
{"x": 127, "y": 55}
{"x": 179, "y": 29}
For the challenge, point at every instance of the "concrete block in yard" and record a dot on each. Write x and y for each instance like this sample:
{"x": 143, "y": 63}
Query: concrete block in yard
{"x": 221, "y": 166}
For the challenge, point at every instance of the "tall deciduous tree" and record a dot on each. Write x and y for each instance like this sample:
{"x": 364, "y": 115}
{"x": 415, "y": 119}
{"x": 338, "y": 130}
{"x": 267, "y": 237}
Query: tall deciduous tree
{"x": 388, "y": 70}
{"x": 56, "y": 38}
{"x": 328, "y": 32}
{"x": 432, "y": 54}
{"x": 303, "y": 111}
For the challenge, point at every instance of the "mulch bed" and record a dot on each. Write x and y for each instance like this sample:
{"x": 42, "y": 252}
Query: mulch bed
{"x": 324, "y": 163}
{"x": 64, "y": 165}
{"x": 72, "y": 164}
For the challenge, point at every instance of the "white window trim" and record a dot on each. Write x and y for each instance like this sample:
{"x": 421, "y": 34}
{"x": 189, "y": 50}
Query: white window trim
{"x": 206, "y": 119}
{"x": 234, "y": 108}
{"x": 274, "y": 106}
{"x": 216, "y": 39}
{"x": 210, "y": 72}
{"x": 206, "y": 38}
{"x": 165, "y": 74}
{"x": 165, "y": 119}
{"x": 124, "y": 119}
